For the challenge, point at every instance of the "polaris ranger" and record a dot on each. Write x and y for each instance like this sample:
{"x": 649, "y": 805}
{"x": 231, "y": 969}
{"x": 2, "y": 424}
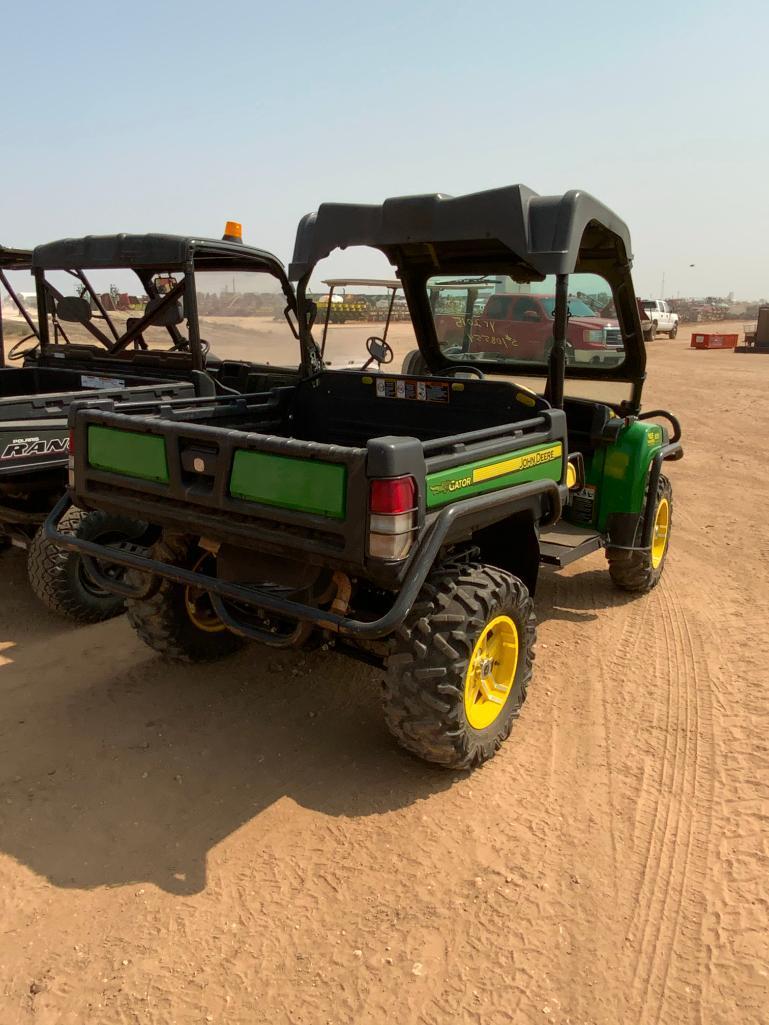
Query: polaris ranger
{"x": 402, "y": 518}
{"x": 89, "y": 341}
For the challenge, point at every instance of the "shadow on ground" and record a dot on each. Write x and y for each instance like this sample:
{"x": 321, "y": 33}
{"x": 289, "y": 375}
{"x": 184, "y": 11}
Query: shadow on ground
{"x": 116, "y": 767}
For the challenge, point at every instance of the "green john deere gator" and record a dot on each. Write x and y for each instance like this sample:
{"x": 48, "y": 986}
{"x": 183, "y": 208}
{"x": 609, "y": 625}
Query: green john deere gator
{"x": 404, "y": 517}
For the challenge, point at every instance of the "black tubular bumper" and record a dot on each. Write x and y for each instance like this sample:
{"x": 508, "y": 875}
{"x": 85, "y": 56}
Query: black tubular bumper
{"x": 420, "y": 565}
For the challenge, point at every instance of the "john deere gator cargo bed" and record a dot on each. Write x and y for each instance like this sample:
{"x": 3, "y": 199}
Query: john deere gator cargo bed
{"x": 291, "y": 468}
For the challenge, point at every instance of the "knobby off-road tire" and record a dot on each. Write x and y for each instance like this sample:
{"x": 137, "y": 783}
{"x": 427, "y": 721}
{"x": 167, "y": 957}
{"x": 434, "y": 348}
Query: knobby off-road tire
{"x": 641, "y": 571}
{"x": 425, "y": 686}
{"x": 58, "y": 577}
{"x": 163, "y": 621}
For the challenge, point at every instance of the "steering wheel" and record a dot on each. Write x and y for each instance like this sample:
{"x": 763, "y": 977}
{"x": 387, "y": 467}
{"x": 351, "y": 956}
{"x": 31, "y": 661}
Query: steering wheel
{"x": 463, "y": 368}
{"x": 17, "y": 352}
{"x": 384, "y": 354}
{"x": 379, "y": 351}
{"x": 184, "y": 346}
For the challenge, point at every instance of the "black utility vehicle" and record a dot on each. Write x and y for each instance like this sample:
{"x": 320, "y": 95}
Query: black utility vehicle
{"x": 93, "y": 339}
{"x": 403, "y": 518}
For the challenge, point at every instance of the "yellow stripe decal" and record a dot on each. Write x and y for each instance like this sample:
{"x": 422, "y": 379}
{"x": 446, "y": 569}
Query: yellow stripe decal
{"x": 544, "y": 455}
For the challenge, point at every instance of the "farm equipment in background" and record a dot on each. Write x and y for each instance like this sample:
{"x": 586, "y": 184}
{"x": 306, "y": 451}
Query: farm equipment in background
{"x": 335, "y": 308}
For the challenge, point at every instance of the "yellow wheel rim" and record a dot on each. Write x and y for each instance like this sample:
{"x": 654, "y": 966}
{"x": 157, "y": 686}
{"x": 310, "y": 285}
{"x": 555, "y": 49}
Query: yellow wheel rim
{"x": 198, "y": 605}
{"x": 491, "y": 672}
{"x": 661, "y": 532}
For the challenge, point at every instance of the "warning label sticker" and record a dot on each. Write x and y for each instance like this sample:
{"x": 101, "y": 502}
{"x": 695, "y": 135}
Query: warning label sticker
{"x": 417, "y": 391}
{"x": 89, "y": 381}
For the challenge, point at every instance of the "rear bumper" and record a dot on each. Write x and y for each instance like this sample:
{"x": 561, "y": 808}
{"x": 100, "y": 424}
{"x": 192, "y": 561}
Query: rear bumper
{"x": 428, "y": 548}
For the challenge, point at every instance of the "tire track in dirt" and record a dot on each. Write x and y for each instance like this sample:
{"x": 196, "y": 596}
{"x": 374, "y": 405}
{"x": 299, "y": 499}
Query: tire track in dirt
{"x": 666, "y": 927}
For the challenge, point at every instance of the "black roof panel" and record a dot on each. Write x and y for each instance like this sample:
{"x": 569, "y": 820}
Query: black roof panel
{"x": 153, "y": 251}
{"x": 545, "y": 232}
{"x": 15, "y": 259}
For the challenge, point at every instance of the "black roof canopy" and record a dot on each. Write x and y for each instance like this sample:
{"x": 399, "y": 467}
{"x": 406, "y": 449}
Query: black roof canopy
{"x": 543, "y": 234}
{"x": 15, "y": 259}
{"x": 152, "y": 252}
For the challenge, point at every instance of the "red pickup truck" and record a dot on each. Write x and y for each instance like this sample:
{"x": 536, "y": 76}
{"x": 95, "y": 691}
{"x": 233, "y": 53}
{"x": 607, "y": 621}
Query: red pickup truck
{"x": 520, "y": 326}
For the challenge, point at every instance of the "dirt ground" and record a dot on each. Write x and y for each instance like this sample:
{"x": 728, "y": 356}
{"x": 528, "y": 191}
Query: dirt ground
{"x": 245, "y": 843}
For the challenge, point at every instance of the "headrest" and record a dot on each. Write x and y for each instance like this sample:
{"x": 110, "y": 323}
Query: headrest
{"x": 171, "y": 315}
{"x": 73, "y": 309}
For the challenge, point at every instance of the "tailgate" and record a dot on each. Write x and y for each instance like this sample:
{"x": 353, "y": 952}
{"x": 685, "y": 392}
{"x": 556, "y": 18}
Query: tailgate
{"x": 237, "y": 487}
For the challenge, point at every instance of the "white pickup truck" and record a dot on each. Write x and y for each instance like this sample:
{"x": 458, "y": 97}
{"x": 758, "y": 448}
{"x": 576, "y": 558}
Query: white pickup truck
{"x": 663, "y": 320}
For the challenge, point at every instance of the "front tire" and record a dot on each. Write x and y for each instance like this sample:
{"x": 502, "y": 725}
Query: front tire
{"x": 460, "y": 665}
{"x": 58, "y": 577}
{"x": 640, "y": 571}
{"x": 176, "y": 621}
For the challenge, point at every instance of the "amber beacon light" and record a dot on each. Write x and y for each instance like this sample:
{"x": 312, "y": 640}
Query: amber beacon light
{"x": 233, "y": 232}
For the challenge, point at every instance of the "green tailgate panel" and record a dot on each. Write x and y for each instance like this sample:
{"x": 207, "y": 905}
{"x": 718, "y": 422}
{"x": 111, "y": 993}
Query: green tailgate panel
{"x": 542, "y": 462}
{"x": 300, "y": 484}
{"x": 128, "y": 452}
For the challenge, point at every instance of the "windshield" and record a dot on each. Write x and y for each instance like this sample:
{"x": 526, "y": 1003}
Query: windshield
{"x": 240, "y": 315}
{"x": 115, "y": 309}
{"x": 484, "y": 318}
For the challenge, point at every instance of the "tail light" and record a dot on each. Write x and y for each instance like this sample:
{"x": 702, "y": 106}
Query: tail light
{"x": 392, "y": 517}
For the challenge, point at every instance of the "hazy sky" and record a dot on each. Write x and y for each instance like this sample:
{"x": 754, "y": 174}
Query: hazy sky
{"x": 174, "y": 116}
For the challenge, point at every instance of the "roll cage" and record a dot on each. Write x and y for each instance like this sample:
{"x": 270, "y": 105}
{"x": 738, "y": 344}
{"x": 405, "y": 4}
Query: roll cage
{"x": 149, "y": 256}
{"x": 511, "y": 231}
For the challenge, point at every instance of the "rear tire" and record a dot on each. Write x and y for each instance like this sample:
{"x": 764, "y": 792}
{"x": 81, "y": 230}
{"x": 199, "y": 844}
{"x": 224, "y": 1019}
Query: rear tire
{"x": 674, "y": 331}
{"x": 414, "y": 365}
{"x": 163, "y": 619}
{"x": 440, "y": 666}
{"x": 653, "y": 331}
{"x": 639, "y": 572}
{"x": 58, "y": 576}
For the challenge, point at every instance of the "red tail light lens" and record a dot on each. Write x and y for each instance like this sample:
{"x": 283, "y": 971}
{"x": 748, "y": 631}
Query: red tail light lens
{"x": 392, "y": 517}
{"x": 71, "y": 444}
{"x": 392, "y": 496}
